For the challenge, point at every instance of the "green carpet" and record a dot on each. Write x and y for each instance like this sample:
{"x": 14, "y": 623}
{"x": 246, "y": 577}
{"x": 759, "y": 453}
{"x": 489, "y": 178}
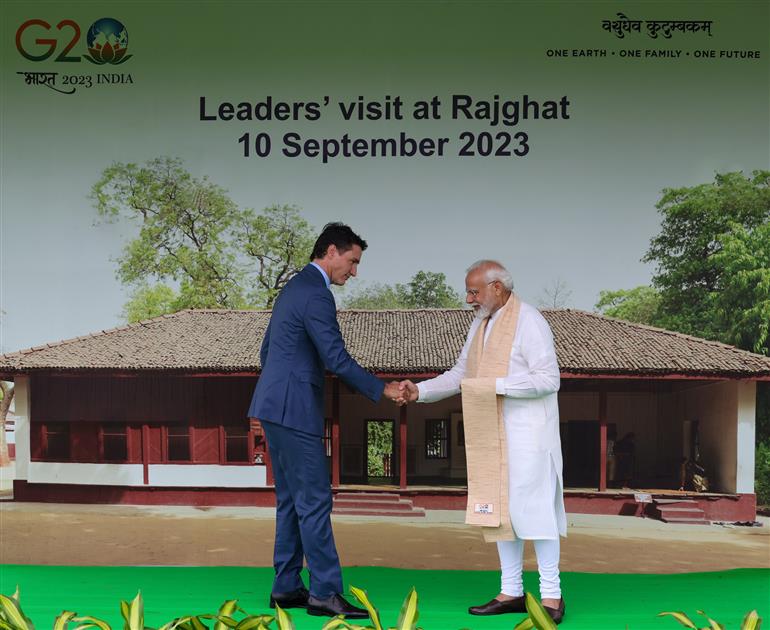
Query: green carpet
{"x": 593, "y": 600}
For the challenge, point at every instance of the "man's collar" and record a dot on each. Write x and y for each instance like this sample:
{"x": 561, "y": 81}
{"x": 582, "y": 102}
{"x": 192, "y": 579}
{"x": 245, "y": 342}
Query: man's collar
{"x": 323, "y": 273}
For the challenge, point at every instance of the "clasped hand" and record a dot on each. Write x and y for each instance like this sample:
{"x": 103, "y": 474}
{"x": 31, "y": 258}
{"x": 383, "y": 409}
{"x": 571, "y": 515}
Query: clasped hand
{"x": 401, "y": 392}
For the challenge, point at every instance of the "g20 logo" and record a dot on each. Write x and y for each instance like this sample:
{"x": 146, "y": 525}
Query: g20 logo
{"x": 107, "y": 41}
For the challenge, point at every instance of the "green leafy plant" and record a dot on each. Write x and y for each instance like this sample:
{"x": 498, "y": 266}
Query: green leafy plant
{"x": 11, "y": 615}
{"x": 12, "y": 618}
{"x": 536, "y": 617}
{"x": 407, "y": 618}
{"x": 751, "y": 621}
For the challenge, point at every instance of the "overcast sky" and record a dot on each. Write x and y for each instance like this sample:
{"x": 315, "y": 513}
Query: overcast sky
{"x": 579, "y": 208}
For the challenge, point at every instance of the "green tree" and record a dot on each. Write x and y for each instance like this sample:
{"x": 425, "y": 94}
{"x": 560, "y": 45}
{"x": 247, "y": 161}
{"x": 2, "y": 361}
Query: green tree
{"x": 194, "y": 238}
{"x": 426, "y": 289}
{"x": 376, "y": 297}
{"x": 691, "y": 273}
{"x": 742, "y": 303}
{"x": 429, "y": 289}
{"x": 639, "y": 304}
{"x": 280, "y": 242}
{"x": 146, "y": 302}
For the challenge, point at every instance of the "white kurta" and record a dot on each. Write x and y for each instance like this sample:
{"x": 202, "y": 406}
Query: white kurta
{"x": 531, "y": 417}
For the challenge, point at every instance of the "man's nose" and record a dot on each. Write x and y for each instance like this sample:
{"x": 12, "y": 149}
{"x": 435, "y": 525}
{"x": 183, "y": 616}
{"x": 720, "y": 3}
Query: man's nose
{"x": 469, "y": 299}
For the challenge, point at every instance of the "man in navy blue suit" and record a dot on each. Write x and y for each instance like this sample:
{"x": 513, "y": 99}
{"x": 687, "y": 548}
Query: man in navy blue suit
{"x": 302, "y": 339}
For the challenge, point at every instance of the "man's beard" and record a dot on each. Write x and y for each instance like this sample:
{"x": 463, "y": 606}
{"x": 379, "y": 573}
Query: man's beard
{"x": 482, "y": 312}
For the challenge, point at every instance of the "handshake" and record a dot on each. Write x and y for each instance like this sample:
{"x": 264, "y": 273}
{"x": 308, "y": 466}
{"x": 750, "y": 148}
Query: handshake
{"x": 401, "y": 392}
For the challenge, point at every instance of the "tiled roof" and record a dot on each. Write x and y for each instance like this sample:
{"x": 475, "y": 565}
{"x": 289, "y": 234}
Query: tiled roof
{"x": 407, "y": 342}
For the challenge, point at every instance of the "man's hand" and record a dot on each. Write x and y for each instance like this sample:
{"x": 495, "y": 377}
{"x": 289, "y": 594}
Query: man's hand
{"x": 394, "y": 392}
{"x": 409, "y": 391}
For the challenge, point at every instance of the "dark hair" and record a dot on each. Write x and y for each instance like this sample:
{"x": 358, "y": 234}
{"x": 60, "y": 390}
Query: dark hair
{"x": 339, "y": 235}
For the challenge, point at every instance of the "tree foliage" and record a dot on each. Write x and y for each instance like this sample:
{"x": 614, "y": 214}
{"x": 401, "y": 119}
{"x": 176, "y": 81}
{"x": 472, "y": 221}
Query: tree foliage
{"x": 702, "y": 228}
{"x": 426, "y": 289}
{"x": 639, "y": 304}
{"x": 280, "y": 241}
{"x": 742, "y": 303}
{"x": 194, "y": 241}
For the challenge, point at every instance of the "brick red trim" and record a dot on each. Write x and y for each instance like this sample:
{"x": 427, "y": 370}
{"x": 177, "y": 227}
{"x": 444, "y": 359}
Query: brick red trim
{"x": 729, "y": 508}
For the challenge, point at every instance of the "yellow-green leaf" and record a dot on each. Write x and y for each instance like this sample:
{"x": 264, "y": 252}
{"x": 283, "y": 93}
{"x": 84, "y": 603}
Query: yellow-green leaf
{"x": 197, "y": 624}
{"x": 125, "y": 610}
{"x": 283, "y": 619}
{"x": 714, "y": 625}
{"x": 541, "y": 619}
{"x": 13, "y": 614}
{"x": 253, "y": 622}
{"x": 228, "y": 621}
{"x": 336, "y": 622}
{"x": 407, "y": 618}
{"x": 60, "y": 623}
{"x": 681, "y": 618}
{"x": 16, "y": 595}
{"x": 361, "y": 596}
{"x": 226, "y": 610}
{"x": 525, "y": 624}
{"x": 94, "y": 622}
{"x": 751, "y": 621}
{"x": 175, "y": 623}
{"x": 136, "y": 613}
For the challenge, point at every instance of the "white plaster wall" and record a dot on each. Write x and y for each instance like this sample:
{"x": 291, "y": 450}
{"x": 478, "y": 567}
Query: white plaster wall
{"x": 86, "y": 474}
{"x": 747, "y": 412}
{"x": 207, "y": 476}
{"x": 22, "y": 401}
{"x": 715, "y": 407}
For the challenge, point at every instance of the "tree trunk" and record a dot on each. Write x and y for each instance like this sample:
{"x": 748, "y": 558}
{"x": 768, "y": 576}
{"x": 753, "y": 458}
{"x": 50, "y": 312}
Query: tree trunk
{"x": 5, "y": 404}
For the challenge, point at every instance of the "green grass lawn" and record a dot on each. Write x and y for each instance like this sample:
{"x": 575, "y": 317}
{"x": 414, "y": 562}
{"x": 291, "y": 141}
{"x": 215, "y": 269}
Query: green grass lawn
{"x": 593, "y": 600}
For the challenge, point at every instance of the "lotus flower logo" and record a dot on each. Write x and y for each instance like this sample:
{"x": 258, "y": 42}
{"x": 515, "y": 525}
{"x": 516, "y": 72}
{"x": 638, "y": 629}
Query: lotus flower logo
{"x": 107, "y": 41}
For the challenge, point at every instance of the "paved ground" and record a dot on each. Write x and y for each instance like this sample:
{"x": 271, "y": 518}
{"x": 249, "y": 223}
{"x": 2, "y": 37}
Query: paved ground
{"x": 46, "y": 533}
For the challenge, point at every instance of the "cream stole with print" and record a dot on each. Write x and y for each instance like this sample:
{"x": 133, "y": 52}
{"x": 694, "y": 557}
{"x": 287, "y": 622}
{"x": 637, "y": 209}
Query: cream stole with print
{"x": 486, "y": 452}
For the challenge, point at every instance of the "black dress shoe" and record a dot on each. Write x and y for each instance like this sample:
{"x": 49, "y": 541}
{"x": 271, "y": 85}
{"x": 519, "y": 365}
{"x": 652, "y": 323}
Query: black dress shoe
{"x": 557, "y": 614}
{"x": 333, "y": 606}
{"x": 292, "y": 599}
{"x": 496, "y": 607}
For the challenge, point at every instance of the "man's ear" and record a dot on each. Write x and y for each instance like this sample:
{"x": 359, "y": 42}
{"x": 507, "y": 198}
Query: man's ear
{"x": 331, "y": 251}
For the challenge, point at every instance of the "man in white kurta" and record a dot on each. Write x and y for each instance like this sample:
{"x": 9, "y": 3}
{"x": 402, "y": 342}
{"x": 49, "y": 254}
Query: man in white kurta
{"x": 531, "y": 420}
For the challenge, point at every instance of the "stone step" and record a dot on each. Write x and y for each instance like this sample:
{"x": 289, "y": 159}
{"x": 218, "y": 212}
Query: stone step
{"x": 682, "y": 511}
{"x": 361, "y": 511}
{"x": 684, "y": 520}
{"x": 376, "y": 505}
{"x": 368, "y": 496}
{"x": 675, "y": 501}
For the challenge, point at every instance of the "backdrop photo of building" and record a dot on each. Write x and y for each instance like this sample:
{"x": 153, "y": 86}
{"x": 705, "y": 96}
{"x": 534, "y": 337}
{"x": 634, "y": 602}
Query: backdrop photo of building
{"x": 154, "y": 413}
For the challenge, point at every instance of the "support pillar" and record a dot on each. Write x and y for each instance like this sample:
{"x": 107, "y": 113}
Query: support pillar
{"x": 402, "y": 447}
{"x": 602, "y": 439}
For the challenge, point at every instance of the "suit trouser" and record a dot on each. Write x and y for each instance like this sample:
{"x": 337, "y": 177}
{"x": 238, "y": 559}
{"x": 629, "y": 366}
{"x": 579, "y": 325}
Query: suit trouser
{"x": 303, "y": 507}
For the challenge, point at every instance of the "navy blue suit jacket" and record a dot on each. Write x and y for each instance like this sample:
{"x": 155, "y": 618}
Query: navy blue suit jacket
{"x": 302, "y": 338}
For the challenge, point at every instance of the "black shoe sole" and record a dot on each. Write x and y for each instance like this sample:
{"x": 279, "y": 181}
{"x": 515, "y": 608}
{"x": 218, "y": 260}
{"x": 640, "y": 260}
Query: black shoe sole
{"x": 325, "y": 613}
{"x": 272, "y": 605}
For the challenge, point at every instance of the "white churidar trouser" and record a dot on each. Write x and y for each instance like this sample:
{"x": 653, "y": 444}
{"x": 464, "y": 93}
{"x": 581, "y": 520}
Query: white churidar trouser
{"x": 512, "y": 563}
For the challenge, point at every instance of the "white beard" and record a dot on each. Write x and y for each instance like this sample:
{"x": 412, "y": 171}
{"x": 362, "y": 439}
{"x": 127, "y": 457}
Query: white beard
{"x": 482, "y": 312}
